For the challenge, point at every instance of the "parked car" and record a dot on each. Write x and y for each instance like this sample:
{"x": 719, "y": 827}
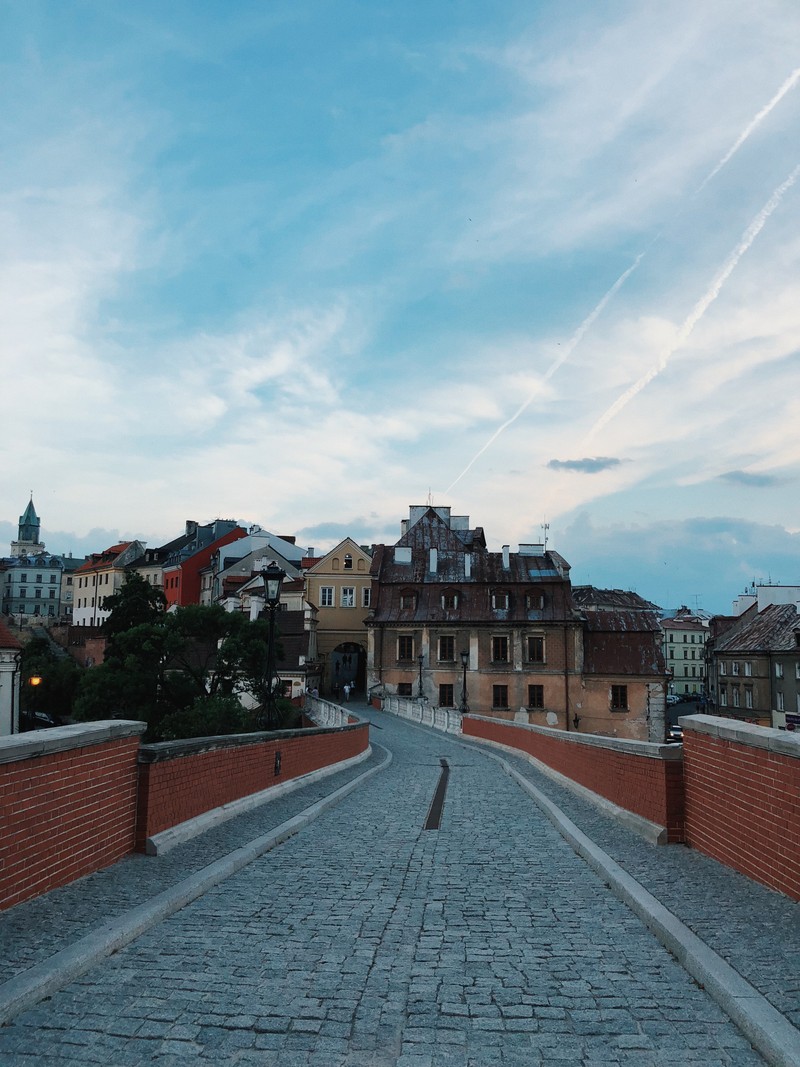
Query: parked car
{"x": 675, "y": 734}
{"x": 673, "y": 698}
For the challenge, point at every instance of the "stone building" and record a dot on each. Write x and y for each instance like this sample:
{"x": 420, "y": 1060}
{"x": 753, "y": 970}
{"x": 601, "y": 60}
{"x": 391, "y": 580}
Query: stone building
{"x": 531, "y": 650}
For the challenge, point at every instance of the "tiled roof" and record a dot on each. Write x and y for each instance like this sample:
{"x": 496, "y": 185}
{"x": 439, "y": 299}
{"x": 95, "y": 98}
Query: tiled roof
{"x": 7, "y": 639}
{"x": 772, "y": 630}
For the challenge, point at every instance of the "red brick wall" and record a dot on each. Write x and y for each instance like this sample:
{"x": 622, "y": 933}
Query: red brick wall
{"x": 646, "y": 785}
{"x": 743, "y": 807}
{"x": 180, "y": 788}
{"x": 65, "y": 814}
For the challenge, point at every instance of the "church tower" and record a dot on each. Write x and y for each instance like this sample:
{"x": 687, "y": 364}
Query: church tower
{"x": 28, "y": 543}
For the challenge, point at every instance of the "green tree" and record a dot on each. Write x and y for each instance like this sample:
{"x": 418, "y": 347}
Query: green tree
{"x": 183, "y": 670}
{"x": 136, "y": 602}
{"x": 49, "y": 682}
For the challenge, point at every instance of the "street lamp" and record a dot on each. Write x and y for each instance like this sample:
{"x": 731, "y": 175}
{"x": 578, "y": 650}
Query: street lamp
{"x": 420, "y": 658}
{"x": 272, "y": 577}
{"x": 464, "y": 706}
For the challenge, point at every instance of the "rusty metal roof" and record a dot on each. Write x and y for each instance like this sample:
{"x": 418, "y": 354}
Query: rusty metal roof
{"x": 772, "y": 630}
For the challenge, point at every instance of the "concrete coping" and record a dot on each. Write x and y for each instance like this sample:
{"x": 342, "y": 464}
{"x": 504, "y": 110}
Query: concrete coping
{"x": 744, "y": 733}
{"x": 63, "y": 738}
{"x": 193, "y": 746}
{"x": 628, "y": 746}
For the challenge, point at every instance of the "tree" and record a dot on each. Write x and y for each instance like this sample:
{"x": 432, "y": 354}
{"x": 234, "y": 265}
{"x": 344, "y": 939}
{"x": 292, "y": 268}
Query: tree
{"x": 58, "y": 679}
{"x": 180, "y": 668}
{"x": 136, "y": 602}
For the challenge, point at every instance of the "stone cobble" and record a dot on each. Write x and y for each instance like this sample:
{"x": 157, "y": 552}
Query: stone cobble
{"x": 368, "y": 941}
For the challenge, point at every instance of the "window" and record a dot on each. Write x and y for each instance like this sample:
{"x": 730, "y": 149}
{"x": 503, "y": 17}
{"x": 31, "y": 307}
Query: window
{"x": 684, "y": 639}
{"x": 735, "y": 668}
{"x": 404, "y": 689}
{"x": 500, "y": 601}
{"x": 446, "y": 695}
{"x": 405, "y": 648}
{"x": 779, "y": 670}
{"x": 748, "y": 669}
{"x": 619, "y": 698}
{"x": 735, "y": 695}
{"x": 52, "y": 579}
{"x": 535, "y": 601}
{"x": 780, "y": 701}
{"x": 408, "y": 601}
{"x": 685, "y": 654}
{"x": 672, "y": 653}
{"x": 23, "y": 577}
{"x": 722, "y": 669}
{"x": 499, "y": 696}
{"x": 449, "y": 601}
{"x": 447, "y": 648}
{"x": 723, "y": 696}
{"x": 348, "y": 562}
{"x": 39, "y": 578}
{"x": 535, "y": 696}
{"x": 52, "y": 594}
{"x": 500, "y": 650}
{"x": 797, "y": 669}
{"x": 366, "y": 596}
{"x": 348, "y": 596}
{"x": 326, "y": 596}
{"x": 748, "y": 696}
{"x": 535, "y": 648}
{"x": 671, "y": 638}
{"x": 38, "y": 592}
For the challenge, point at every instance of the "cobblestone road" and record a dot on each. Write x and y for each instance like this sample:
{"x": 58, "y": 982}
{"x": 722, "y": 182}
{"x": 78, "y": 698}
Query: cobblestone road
{"x": 369, "y": 941}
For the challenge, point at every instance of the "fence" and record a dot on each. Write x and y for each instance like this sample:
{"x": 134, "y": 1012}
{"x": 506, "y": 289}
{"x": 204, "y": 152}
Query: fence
{"x": 447, "y": 719}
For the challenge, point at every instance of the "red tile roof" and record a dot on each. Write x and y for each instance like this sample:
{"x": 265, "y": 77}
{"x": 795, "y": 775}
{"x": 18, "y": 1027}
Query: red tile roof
{"x": 7, "y": 639}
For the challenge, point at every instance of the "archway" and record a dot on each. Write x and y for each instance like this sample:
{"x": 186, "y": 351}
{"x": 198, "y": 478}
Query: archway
{"x": 347, "y": 664}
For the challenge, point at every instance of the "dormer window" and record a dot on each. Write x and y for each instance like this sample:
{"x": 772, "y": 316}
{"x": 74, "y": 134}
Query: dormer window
{"x": 500, "y": 600}
{"x": 534, "y": 601}
{"x": 408, "y": 600}
{"x": 449, "y": 601}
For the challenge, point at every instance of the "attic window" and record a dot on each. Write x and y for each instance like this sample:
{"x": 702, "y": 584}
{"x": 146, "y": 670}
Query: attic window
{"x": 348, "y": 562}
{"x": 500, "y": 600}
{"x": 535, "y": 601}
{"x": 408, "y": 601}
{"x": 449, "y": 600}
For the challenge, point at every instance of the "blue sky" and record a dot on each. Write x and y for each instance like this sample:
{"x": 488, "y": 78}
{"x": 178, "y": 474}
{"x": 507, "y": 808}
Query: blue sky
{"x": 306, "y": 263}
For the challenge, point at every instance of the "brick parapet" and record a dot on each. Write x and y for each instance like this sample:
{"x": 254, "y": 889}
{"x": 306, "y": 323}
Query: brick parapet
{"x": 742, "y": 787}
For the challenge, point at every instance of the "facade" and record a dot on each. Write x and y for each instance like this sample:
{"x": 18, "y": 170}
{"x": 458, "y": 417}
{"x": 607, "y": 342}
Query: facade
{"x": 102, "y": 575}
{"x": 754, "y": 666}
{"x": 182, "y": 568}
{"x": 10, "y": 649}
{"x": 32, "y": 587}
{"x": 533, "y": 652}
{"x": 339, "y": 584}
{"x": 234, "y": 564}
{"x": 685, "y": 636}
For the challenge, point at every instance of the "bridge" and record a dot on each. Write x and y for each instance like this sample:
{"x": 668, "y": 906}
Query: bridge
{"x": 437, "y": 904}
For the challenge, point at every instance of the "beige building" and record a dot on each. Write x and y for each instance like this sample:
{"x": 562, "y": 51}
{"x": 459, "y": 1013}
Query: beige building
{"x": 339, "y": 584}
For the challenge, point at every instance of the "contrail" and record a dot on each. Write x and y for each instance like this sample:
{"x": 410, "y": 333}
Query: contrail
{"x": 700, "y": 307}
{"x": 569, "y": 348}
{"x": 784, "y": 89}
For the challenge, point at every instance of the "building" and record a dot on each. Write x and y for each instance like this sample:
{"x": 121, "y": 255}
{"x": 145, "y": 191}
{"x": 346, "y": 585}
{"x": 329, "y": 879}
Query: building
{"x": 101, "y": 576}
{"x": 183, "y": 567}
{"x": 754, "y": 666}
{"x": 685, "y": 635}
{"x": 10, "y": 649}
{"x": 28, "y": 543}
{"x": 448, "y": 615}
{"x": 339, "y": 584}
{"x": 32, "y": 587}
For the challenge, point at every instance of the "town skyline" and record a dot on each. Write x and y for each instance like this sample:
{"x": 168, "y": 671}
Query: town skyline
{"x": 305, "y": 266}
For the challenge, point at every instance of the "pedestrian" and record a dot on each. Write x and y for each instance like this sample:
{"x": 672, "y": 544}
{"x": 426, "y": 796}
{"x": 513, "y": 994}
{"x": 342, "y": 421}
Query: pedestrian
{"x": 346, "y": 690}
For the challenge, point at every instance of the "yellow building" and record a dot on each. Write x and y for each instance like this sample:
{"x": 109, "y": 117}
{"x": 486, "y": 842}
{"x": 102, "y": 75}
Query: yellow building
{"x": 339, "y": 585}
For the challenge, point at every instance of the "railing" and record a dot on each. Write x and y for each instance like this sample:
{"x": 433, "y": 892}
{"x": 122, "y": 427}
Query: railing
{"x": 446, "y": 719}
{"x": 325, "y": 712}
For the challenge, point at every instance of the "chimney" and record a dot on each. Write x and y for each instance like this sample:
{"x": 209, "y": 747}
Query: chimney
{"x": 310, "y": 552}
{"x": 467, "y": 564}
{"x": 433, "y": 564}
{"x": 506, "y": 558}
{"x": 191, "y": 527}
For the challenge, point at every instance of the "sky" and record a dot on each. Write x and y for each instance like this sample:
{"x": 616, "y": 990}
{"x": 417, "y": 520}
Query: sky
{"x": 304, "y": 263}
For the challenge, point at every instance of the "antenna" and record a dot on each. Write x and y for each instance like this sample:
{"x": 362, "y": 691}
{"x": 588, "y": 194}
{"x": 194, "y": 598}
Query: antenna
{"x": 430, "y": 498}
{"x": 545, "y": 528}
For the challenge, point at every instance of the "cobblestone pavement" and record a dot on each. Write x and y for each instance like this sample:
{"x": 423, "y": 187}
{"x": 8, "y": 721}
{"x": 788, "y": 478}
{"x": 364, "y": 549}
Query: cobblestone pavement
{"x": 368, "y": 941}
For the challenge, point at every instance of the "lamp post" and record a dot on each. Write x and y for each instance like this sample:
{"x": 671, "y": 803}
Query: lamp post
{"x": 463, "y": 706}
{"x": 273, "y": 577}
{"x": 420, "y": 658}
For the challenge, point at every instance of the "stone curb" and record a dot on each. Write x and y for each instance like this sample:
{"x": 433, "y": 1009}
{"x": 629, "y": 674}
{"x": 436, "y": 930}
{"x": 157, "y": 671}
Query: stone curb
{"x": 763, "y": 1025}
{"x": 769, "y": 1032}
{"x": 47, "y": 977}
{"x": 159, "y": 844}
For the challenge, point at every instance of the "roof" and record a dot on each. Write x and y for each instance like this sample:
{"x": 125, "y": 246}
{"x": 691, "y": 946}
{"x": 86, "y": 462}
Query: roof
{"x": 774, "y": 629}
{"x": 7, "y": 639}
{"x": 97, "y": 560}
{"x": 591, "y": 599}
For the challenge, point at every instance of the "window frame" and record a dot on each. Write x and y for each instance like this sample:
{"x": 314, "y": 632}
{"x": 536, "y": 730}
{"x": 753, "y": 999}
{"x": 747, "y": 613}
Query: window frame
{"x": 535, "y": 689}
{"x": 618, "y": 698}
{"x": 404, "y": 643}
{"x": 327, "y": 596}
{"x": 446, "y": 690}
{"x": 529, "y": 640}
{"x": 500, "y": 644}
{"x": 345, "y": 600}
{"x": 500, "y": 692}
{"x": 446, "y": 643}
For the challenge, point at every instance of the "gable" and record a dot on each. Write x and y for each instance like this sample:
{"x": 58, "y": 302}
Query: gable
{"x": 335, "y": 561}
